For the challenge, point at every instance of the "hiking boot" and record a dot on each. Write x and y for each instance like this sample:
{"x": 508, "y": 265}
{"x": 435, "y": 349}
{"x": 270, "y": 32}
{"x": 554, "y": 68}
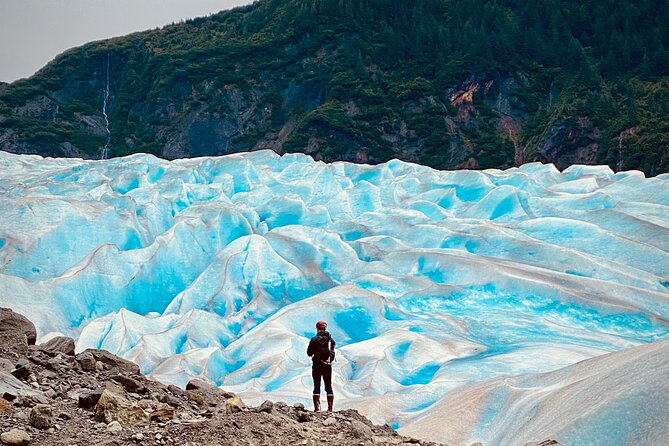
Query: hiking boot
{"x": 317, "y": 403}
{"x": 330, "y": 402}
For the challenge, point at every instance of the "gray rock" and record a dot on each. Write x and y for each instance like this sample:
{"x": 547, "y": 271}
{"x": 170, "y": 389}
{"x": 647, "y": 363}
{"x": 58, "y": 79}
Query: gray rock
{"x": 22, "y": 369}
{"x": 199, "y": 384}
{"x": 330, "y": 421}
{"x": 88, "y": 400}
{"x": 206, "y": 395}
{"x": 114, "y": 427}
{"x": 361, "y": 430}
{"x": 281, "y": 406}
{"x": 162, "y": 414}
{"x": 304, "y": 417}
{"x": 16, "y": 437}
{"x": 11, "y": 388}
{"x": 6, "y": 365}
{"x": 86, "y": 361}
{"x": 17, "y": 330}
{"x": 266, "y": 406}
{"x": 169, "y": 399}
{"x": 60, "y": 344}
{"x": 34, "y": 400}
{"x": 59, "y": 362}
{"x": 298, "y": 406}
{"x": 41, "y": 417}
{"x": 177, "y": 391}
{"x": 47, "y": 375}
{"x": 110, "y": 361}
{"x": 129, "y": 384}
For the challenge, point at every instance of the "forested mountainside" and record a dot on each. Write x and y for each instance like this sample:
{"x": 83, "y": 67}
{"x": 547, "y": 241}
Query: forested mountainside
{"x": 447, "y": 83}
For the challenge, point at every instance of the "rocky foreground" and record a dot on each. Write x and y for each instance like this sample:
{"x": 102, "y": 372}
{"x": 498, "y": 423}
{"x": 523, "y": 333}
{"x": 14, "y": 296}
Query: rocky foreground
{"x": 50, "y": 396}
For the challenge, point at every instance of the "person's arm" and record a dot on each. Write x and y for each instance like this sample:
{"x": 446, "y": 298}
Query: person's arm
{"x": 310, "y": 348}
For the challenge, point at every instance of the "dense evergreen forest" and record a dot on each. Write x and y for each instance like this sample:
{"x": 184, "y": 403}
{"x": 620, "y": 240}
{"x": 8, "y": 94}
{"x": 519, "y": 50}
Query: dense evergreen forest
{"x": 448, "y": 83}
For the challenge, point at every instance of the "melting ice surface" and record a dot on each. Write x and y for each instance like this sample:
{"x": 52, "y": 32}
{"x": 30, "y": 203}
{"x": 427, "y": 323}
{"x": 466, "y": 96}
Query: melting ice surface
{"x": 429, "y": 280}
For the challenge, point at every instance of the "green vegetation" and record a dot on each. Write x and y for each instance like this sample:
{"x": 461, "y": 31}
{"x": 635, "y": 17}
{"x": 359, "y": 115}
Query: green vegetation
{"x": 555, "y": 80}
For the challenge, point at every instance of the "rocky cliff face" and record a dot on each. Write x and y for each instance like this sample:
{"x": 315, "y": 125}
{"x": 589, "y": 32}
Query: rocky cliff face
{"x": 348, "y": 81}
{"x": 232, "y": 120}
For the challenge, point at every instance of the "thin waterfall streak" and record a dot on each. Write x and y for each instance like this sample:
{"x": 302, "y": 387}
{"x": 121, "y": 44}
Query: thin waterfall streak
{"x": 105, "y": 149}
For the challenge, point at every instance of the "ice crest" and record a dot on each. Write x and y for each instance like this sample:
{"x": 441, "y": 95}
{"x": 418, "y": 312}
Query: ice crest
{"x": 436, "y": 284}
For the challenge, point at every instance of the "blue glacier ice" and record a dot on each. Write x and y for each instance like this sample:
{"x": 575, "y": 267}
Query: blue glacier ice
{"x": 447, "y": 291}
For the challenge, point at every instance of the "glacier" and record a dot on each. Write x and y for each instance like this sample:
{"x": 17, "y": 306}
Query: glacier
{"x": 479, "y": 297}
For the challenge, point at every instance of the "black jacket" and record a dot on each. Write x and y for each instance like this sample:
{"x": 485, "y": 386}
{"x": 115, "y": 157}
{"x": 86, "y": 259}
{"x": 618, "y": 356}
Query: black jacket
{"x": 314, "y": 349}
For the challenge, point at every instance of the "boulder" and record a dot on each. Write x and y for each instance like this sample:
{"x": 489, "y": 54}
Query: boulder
{"x": 207, "y": 395}
{"x": 361, "y": 430}
{"x": 22, "y": 369}
{"x": 162, "y": 414}
{"x": 304, "y": 417}
{"x": 12, "y": 322}
{"x": 60, "y": 344}
{"x": 114, "y": 427}
{"x": 113, "y": 406}
{"x": 109, "y": 359}
{"x": 129, "y": 384}
{"x": 16, "y": 334}
{"x": 298, "y": 406}
{"x": 60, "y": 362}
{"x": 86, "y": 361}
{"x": 169, "y": 399}
{"x": 11, "y": 388}
{"x": 6, "y": 365}
{"x": 266, "y": 406}
{"x": 15, "y": 437}
{"x": 177, "y": 391}
{"x": 4, "y": 405}
{"x": 199, "y": 384}
{"x": 41, "y": 417}
{"x": 88, "y": 400}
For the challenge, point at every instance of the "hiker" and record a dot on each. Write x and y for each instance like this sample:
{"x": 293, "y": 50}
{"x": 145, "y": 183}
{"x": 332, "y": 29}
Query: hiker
{"x": 321, "y": 349}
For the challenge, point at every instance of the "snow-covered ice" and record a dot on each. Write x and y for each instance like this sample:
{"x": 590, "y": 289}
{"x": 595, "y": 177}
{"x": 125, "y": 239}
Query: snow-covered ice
{"x": 432, "y": 282}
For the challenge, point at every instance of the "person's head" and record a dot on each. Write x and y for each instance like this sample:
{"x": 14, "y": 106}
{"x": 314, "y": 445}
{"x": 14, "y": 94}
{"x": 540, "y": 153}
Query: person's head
{"x": 321, "y": 325}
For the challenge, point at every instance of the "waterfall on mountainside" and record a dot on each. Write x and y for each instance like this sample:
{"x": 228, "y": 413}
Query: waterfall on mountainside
{"x": 105, "y": 101}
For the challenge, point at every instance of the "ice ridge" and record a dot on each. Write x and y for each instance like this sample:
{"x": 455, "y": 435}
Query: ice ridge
{"x": 431, "y": 281}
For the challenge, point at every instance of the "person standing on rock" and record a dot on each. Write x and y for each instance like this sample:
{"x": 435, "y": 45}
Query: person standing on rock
{"x": 321, "y": 349}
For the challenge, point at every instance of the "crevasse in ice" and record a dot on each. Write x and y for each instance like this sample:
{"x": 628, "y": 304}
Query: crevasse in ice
{"x": 431, "y": 281}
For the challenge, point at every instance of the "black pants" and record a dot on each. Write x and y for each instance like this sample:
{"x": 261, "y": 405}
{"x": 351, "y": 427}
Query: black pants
{"x": 318, "y": 370}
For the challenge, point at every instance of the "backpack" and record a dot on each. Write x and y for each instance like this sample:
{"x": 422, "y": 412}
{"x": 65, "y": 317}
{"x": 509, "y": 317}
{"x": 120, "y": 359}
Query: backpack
{"x": 323, "y": 350}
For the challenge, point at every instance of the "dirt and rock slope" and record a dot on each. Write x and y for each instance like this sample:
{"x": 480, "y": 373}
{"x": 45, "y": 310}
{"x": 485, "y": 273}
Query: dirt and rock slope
{"x": 50, "y": 396}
